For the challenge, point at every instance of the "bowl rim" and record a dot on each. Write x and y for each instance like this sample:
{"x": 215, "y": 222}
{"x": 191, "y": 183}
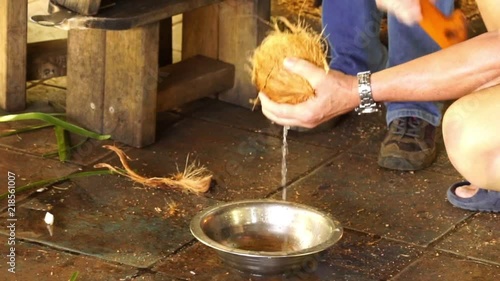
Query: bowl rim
{"x": 198, "y": 233}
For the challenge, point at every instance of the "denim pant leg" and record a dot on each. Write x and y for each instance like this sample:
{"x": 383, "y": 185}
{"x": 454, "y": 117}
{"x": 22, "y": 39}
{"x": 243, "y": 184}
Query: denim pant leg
{"x": 352, "y": 28}
{"x": 407, "y": 43}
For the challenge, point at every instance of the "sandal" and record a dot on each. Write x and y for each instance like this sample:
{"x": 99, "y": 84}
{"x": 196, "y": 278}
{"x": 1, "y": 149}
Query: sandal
{"x": 484, "y": 200}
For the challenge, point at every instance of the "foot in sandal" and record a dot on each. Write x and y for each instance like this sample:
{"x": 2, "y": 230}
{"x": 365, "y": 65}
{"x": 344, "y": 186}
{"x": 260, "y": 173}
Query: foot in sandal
{"x": 466, "y": 196}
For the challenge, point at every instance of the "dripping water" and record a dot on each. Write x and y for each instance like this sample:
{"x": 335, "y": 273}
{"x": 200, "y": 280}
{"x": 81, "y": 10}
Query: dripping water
{"x": 284, "y": 151}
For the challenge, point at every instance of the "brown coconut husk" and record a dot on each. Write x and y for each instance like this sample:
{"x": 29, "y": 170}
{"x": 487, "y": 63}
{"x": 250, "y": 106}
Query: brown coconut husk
{"x": 268, "y": 73}
{"x": 195, "y": 178}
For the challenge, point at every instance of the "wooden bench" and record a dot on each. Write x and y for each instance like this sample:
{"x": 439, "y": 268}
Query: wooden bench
{"x": 114, "y": 83}
{"x": 21, "y": 62}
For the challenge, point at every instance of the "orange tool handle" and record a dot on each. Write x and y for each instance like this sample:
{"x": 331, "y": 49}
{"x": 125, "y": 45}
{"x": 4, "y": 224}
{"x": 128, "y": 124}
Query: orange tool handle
{"x": 446, "y": 31}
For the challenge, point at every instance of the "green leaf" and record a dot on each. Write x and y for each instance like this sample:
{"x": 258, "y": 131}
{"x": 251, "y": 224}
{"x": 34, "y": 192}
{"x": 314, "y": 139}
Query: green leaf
{"x": 74, "y": 276}
{"x": 54, "y": 121}
{"x": 63, "y": 146}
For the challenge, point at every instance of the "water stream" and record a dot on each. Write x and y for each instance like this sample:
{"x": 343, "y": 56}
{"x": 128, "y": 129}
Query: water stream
{"x": 284, "y": 151}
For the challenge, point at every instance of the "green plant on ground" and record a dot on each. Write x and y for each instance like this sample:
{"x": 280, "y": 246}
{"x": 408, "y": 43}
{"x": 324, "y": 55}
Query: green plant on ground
{"x": 74, "y": 276}
{"x": 61, "y": 127}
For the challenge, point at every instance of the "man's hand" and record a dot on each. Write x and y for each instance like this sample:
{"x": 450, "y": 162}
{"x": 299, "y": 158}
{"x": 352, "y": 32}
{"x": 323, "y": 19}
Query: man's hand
{"x": 334, "y": 95}
{"x": 407, "y": 11}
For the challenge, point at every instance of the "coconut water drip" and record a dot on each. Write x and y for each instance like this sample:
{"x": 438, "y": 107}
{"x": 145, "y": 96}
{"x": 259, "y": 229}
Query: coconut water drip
{"x": 284, "y": 151}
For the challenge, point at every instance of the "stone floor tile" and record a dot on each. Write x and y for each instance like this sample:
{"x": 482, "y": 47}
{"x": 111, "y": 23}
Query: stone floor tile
{"x": 191, "y": 108}
{"x": 231, "y": 115}
{"x": 111, "y": 218}
{"x": 340, "y": 133}
{"x": 165, "y": 119}
{"x": 403, "y": 206}
{"x": 40, "y": 263}
{"x": 154, "y": 277}
{"x": 355, "y": 257}
{"x": 28, "y": 169}
{"x": 365, "y": 257}
{"x": 105, "y": 222}
{"x": 476, "y": 238}
{"x": 435, "y": 266}
{"x": 89, "y": 152}
{"x": 245, "y": 165}
{"x": 38, "y": 142}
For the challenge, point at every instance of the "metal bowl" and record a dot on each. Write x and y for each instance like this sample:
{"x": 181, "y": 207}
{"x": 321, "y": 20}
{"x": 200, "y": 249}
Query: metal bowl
{"x": 265, "y": 236}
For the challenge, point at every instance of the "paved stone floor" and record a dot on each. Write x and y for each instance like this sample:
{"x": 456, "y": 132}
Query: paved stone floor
{"x": 398, "y": 226}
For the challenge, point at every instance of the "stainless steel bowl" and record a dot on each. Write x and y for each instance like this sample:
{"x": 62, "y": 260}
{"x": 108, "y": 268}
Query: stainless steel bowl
{"x": 265, "y": 236}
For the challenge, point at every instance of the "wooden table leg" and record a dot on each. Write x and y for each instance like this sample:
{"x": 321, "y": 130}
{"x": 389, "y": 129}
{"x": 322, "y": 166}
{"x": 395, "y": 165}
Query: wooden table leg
{"x": 131, "y": 84}
{"x": 112, "y": 82}
{"x": 241, "y": 29}
{"x": 13, "y": 38}
{"x": 85, "y": 78}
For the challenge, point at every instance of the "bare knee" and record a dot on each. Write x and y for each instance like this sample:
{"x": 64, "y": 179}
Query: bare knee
{"x": 453, "y": 134}
{"x": 463, "y": 146}
{"x": 472, "y": 146}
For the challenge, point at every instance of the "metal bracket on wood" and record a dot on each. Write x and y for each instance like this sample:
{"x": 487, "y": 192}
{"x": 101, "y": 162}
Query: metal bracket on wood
{"x": 57, "y": 17}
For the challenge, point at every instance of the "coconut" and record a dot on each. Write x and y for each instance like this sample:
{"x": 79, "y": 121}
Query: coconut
{"x": 268, "y": 73}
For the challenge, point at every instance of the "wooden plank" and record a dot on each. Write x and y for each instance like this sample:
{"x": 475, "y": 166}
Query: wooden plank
{"x": 200, "y": 30}
{"x": 241, "y": 29}
{"x": 46, "y": 59}
{"x": 127, "y": 14}
{"x": 85, "y": 90}
{"x": 192, "y": 79}
{"x": 131, "y": 84}
{"x": 13, "y": 38}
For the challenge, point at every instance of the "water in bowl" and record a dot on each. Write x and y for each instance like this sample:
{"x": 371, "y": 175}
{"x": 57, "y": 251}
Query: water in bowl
{"x": 260, "y": 242}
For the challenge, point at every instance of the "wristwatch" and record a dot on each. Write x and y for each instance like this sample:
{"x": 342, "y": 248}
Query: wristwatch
{"x": 367, "y": 104}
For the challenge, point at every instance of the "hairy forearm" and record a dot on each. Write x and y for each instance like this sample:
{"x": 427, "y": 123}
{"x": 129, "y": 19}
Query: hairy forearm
{"x": 448, "y": 74}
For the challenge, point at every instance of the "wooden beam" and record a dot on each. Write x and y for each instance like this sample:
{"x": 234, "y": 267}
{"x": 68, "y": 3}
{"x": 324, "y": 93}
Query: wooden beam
{"x": 192, "y": 79}
{"x": 241, "y": 29}
{"x": 131, "y": 84}
{"x": 13, "y": 40}
{"x": 85, "y": 90}
{"x": 200, "y": 32}
{"x": 46, "y": 59}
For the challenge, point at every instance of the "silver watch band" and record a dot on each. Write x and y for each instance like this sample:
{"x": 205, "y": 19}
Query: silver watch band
{"x": 367, "y": 104}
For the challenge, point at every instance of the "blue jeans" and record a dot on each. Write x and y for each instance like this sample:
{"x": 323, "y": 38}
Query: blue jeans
{"x": 352, "y": 28}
